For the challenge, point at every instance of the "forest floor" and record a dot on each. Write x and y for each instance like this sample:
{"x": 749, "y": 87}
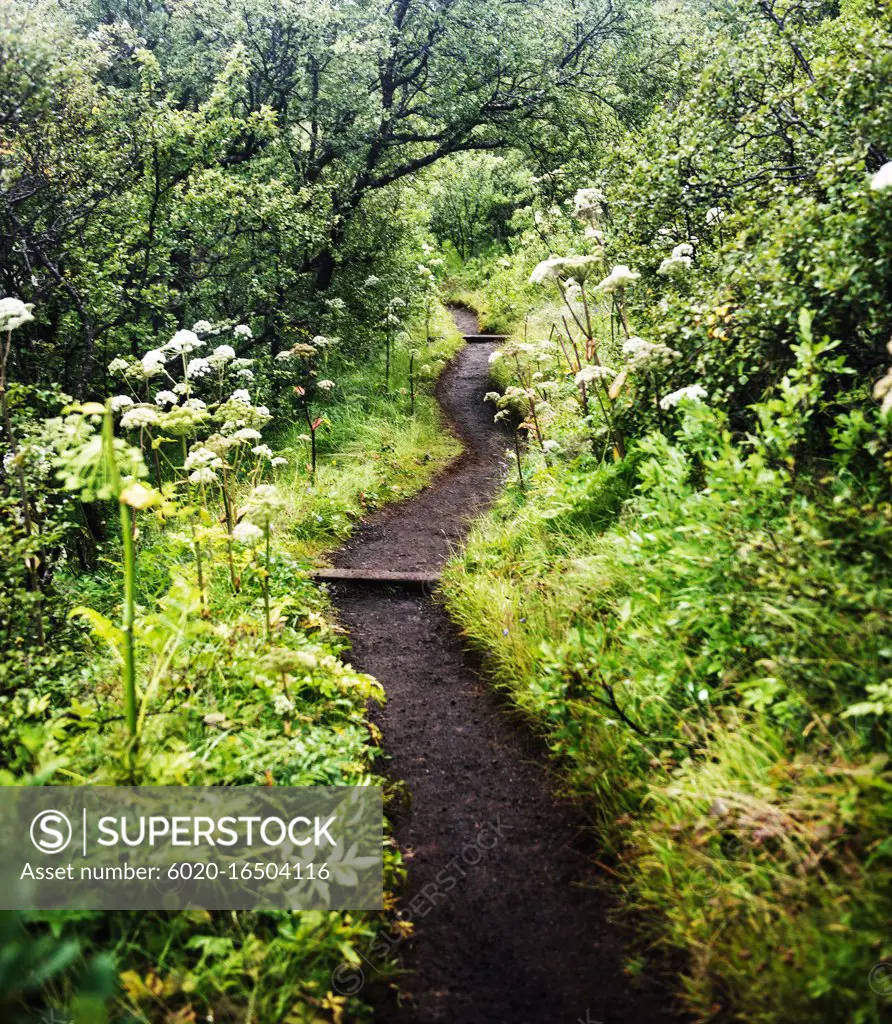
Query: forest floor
{"x": 512, "y": 919}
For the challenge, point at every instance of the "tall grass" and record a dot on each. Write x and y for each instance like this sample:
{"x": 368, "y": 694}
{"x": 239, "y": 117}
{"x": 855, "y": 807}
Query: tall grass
{"x": 690, "y": 654}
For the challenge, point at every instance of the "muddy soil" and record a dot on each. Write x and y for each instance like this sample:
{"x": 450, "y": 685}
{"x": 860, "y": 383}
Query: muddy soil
{"x": 512, "y": 919}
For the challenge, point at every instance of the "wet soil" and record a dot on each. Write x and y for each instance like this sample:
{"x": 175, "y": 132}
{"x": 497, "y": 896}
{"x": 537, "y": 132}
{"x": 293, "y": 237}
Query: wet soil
{"x": 512, "y": 919}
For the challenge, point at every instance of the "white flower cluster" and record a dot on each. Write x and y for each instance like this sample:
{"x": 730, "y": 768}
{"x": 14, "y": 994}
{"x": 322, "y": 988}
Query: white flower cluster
{"x": 14, "y": 313}
{"x": 221, "y": 355}
{"x": 883, "y": 178}
{"x": 203, "y": 475}
{"x": 679, "y": 263}
{"x": 282, "y": 705}
{"x": 882, "y": 390}
{"x": 587, "y": 203}
{"x": 692, "y": 393}
{"x": 140, "y": 416}
{"x": 183, "y": 342}
{"x": 153, "y": 363}
{"x": 198, "y": 368}
{"x": 648, "y": 355}
{"x": 263, "y": 505}
{"x": 576, "y": 268}
{"x": 588, "y": 374}
{"x": 618, "y": 279}
{"x": 201, "y": 457}
{"x": 247, "y": 533}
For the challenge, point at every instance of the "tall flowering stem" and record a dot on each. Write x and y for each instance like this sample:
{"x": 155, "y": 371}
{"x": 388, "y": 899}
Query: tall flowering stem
{"x": 517, "y": 456}
{"x": 227, "y": 511}
{"x": 312, "y": 424}
{"x": 261, "y": 509}
{"x": 267, "y": 562}
{"x": 412, "y": 382}
{"x": 573, "y": 272}
{"x": 128, "y": 609}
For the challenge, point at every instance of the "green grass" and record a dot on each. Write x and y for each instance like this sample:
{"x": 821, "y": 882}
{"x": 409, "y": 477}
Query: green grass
{"x": 68, "y": 727}
{"x": 687, "y": 636}
{"x": 371, "y": 448}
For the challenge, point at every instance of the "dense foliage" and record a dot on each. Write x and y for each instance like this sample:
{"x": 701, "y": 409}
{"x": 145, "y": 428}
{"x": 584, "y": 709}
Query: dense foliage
{"x": 227, "y": 229}
{"x": 686, "y": 583}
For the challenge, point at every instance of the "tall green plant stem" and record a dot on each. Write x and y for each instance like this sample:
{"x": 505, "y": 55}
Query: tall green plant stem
{"x": 196, "y": 543}
{"x": 266, "y": 566}
{"x": 227, "y": 508}
{"x": 127, "y": 613}
{"x": 312, "y": 425}
{"x": 412, "y": 383}
{"x": 523, "y": 485}
{"x": 387, "y": 361}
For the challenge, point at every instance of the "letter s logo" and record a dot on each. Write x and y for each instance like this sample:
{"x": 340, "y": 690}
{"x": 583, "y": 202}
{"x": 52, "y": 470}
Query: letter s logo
{"x": 51, "y": 831}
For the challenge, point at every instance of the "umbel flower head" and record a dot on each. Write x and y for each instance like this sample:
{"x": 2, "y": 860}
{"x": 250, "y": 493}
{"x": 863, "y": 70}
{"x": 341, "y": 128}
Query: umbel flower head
{"x": 647, "y": 355}
{"x": 140, "y": 416}
{"x": 592, "y": 373}
{"x": 577, "y": 268}
{"x": 547, "y": 270}
{"x": 587, "y": 203}
{"x": 882, "y": 179}
{"x": 247, "y": 533}
{"x": 183, "y": 342}
{"x": 882, "y": 390}
{"x": 692, "y": 393}
{"x": 221, "y": 355}
{"x": 203, "y": 475}
{"x": 263, "y": 505}
{"x": 618, "y": 278}
{"x": 199, "y": 456}
{"x": 153, "y": 363}
{"x": 678, "y": 264}
{"x": 14, "y": 313}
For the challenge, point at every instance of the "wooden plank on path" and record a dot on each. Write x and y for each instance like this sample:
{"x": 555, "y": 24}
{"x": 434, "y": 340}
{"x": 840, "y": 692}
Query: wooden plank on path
{"x": 382, "y": 576}
{"x": 485, "y": 337}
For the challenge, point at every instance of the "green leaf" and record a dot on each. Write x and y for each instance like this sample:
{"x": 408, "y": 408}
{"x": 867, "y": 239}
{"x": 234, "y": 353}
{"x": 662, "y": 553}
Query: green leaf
{"x": 103, "y": 628}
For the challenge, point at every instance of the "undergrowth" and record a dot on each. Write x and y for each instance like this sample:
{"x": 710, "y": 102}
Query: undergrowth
{"x": 214, "y": 714}
{"x": 702, "y": 634}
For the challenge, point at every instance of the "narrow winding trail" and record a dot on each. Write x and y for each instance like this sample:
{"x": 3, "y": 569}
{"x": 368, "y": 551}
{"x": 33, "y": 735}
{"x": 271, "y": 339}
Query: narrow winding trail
{"x": 511, "y": 921}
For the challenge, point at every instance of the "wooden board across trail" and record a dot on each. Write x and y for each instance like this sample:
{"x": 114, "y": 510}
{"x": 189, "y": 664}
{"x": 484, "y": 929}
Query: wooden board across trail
{"x": 485, "y": 337}
{"x": 384, "y": 576}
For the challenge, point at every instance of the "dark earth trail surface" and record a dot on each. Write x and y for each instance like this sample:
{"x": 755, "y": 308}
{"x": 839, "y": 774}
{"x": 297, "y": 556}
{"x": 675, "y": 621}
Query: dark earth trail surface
{"x": 510, "y": 912}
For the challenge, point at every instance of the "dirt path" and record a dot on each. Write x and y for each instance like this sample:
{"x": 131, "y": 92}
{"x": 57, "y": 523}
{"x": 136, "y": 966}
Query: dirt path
{"x": 511, "y": 922}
